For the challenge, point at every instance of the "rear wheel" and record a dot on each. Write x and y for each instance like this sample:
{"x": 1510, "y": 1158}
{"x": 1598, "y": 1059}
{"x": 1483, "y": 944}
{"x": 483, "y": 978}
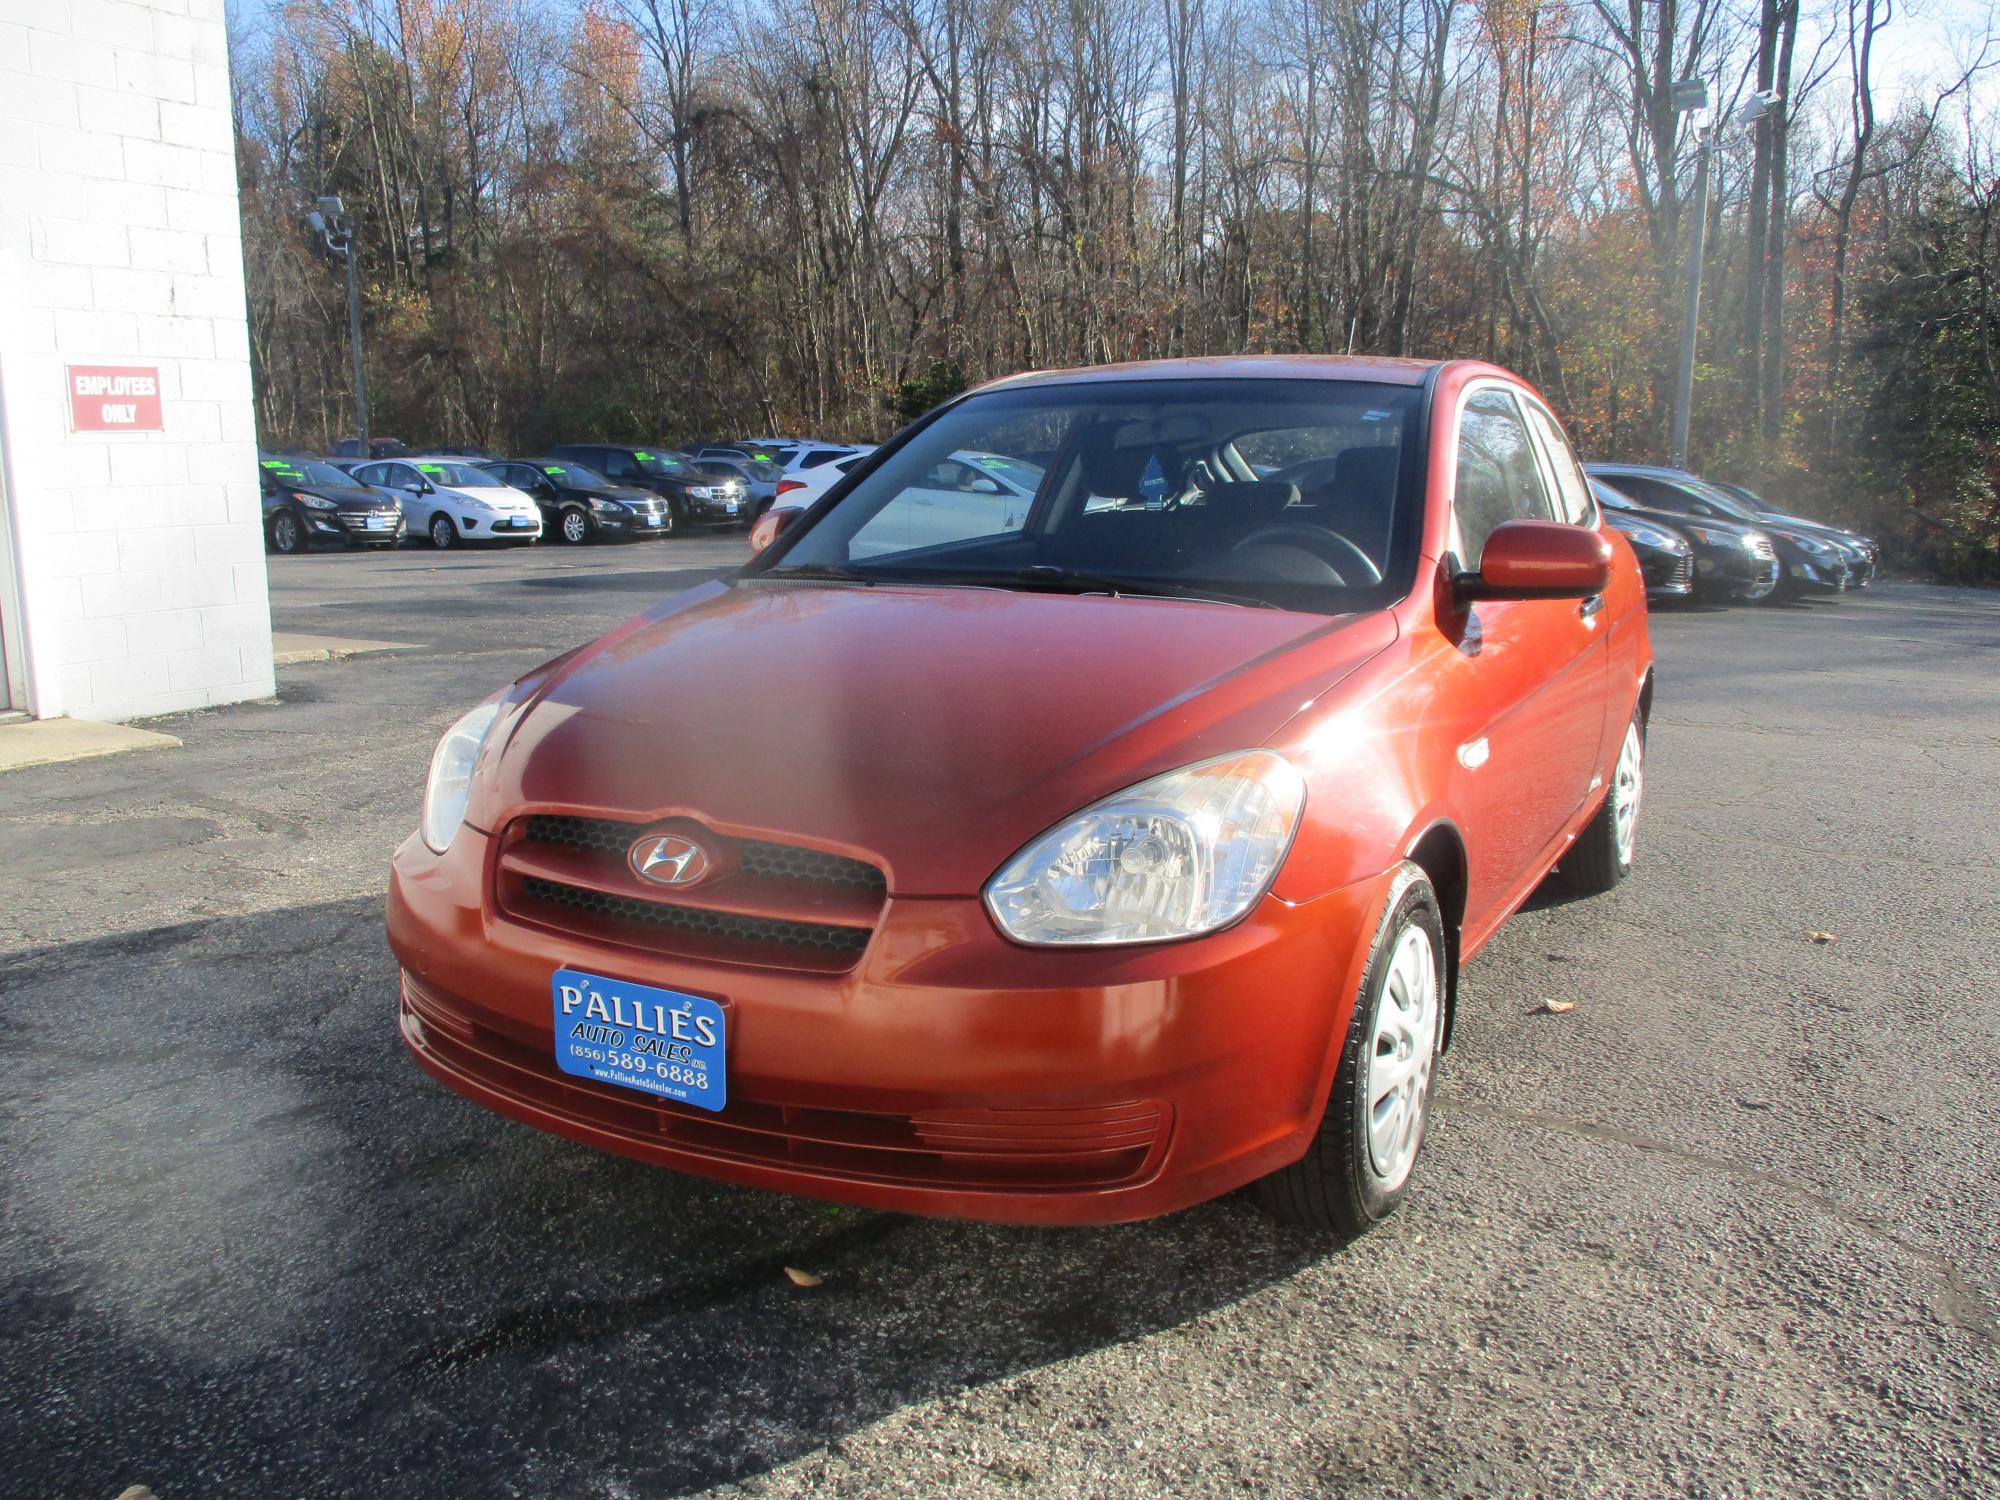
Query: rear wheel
{"x": 1603, "y": 853}
{"x": 1359, "y": 1165}
{"x": 444, "y": 535}
{"x": 287, "y": 535}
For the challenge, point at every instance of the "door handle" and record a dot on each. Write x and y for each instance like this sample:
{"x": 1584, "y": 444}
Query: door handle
{"x": 1590, "y": 606}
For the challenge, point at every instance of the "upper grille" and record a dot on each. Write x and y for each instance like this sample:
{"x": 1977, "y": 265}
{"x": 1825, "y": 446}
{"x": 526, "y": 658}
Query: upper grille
{"x": 780, "y": 861}
{"x": 1760, "y": 546}
{"x": 769, "y": 903}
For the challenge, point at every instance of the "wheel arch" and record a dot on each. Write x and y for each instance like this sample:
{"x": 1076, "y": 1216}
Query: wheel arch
{"x": 1439, "y": 851}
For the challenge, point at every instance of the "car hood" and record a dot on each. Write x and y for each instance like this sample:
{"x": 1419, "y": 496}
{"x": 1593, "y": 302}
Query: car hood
{"x": 1811, "y": 528}
{"x": 932, "y": 731}
{"x": 500, "y": 496}
{"x": 348, "y": 497}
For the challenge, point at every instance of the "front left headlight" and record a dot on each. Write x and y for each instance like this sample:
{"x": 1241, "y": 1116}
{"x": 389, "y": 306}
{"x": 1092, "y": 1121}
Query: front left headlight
{"x": 1180, "y": 855}
{"x": 449, "y": 786}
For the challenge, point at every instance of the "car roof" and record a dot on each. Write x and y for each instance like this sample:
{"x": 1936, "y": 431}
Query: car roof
{"x": 1380, "y": 369}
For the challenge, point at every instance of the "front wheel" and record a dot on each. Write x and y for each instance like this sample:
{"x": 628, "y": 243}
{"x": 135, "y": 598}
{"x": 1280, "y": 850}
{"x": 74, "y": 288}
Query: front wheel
{"x": 287, "y": 535}
{"x": 1603, "y": 853}
{"x": 1358, "y": 1167}
{"x": 444, "y": 535}
{"x": 574, "y": 526}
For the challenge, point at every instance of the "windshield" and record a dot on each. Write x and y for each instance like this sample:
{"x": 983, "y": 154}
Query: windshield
{"x": 305, "y": 471}
{"x": 654, "y": 462}
{"x": 456, "y": 476}
{"x": 575, "y": 474}
{"x": 1282, "y": 492}
{"x": 1610, "y": 498}
{"x": 1722, "y": 500}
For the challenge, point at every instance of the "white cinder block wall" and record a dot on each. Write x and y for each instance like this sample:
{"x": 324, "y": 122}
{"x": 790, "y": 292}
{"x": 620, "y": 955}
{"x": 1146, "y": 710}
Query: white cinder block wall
{"x": 139, "y": 562}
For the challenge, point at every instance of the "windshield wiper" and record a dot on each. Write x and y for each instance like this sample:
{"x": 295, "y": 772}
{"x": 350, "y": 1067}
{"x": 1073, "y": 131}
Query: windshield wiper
{"x": 1069, "y": 580}
{"x": 823, "y": 572}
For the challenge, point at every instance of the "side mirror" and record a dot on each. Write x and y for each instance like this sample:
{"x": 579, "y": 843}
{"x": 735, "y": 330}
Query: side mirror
{"x": 770, "y": 526}
{"x": 1537, "y": 560}
{"x": 984, "y": 486}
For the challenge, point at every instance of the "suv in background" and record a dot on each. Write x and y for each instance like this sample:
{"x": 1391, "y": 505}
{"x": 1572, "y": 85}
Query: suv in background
{"x": 385, "y": 447}
{"x": 695, "y": 494}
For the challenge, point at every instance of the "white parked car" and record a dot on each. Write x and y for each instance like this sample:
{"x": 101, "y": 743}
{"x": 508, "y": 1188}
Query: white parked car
{"x": 451, "y": 500}
{"x": 966, "y": 495}
{"x": 808, "y": 457}
{"x": 801, "y": 487}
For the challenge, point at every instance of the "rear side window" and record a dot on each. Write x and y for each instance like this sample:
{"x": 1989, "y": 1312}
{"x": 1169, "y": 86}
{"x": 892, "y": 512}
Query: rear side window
{"x": 819, "y": 456}
{"x": 619, "y": 465}
{"x": 1498, "y": 479}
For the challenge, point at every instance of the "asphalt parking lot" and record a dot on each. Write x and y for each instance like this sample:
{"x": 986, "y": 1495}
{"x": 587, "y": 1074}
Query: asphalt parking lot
{"x": 1730, "y": 1226}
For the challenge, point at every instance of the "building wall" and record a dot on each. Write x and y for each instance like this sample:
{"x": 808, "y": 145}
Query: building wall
{"x": 139, "y": 555}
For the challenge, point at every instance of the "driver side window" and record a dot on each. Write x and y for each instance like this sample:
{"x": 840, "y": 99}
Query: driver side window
{"x": 1498, "y": 479}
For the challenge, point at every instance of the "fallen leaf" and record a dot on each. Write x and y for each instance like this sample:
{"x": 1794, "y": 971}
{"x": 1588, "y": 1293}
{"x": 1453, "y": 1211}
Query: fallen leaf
{"x": 802, "y": 1278}
{"x": 1821, "y": 937}
{"x": 1558, "y": 1007}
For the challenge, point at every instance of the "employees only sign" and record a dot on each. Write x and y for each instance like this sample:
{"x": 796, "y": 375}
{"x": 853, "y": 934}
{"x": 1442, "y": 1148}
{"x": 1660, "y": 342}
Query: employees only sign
{"x": 114, "y": 398}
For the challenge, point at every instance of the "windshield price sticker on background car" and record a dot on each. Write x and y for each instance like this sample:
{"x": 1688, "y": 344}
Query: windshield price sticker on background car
{"x": 656, "y": 1041}
{"x": 431, "y": 468}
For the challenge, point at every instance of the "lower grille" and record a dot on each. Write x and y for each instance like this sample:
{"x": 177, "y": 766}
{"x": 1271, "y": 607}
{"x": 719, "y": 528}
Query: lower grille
{"x": 1052, "y": 1148}
{"x": 718, "y": 924}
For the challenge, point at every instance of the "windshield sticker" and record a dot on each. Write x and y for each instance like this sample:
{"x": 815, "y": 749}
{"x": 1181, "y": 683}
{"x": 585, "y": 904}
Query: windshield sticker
{"x": 431, "y": 468}
{"x": 641, "y": 454}
{"x": 1153, "y": 484}
{"x": 280, "y": 463}
{"x": 555, "y": 469}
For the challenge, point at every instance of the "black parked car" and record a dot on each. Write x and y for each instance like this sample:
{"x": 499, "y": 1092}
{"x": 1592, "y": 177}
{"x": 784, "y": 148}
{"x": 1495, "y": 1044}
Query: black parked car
{"x": 307, "y": 501}
{"x": 695, "y": 495}
{"x": 1732, "y": 563}
{"x": 1864, "y": 555}
{"x": 581, "y": 505}
{"x": 1666, "y": 558}
{"x": 1809, "y": 564}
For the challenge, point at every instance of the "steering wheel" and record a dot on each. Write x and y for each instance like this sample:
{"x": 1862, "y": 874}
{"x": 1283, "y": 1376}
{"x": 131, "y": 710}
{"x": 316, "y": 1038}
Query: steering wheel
{"x": 1330, "y": 547}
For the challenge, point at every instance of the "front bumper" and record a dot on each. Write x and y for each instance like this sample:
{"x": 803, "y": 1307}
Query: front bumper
{"x": 1668, "y": 575}
{"x": 728, "y": 512}
{"x": 505, "y": 527}
{"x": 1733, "y": 573}
{"x": 379, "y": 528}
{"x": 947, "y": 1071}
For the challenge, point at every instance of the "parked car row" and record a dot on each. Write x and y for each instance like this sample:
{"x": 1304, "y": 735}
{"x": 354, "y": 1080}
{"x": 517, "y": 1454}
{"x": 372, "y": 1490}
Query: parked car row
{"x": 574, "y": 493}
{"x": 1721, "y": 542}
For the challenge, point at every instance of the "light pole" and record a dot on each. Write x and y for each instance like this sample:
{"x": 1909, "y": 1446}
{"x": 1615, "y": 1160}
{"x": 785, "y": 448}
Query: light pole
{"x": 1690, "y": 96}
{"x": 331, "y": 223}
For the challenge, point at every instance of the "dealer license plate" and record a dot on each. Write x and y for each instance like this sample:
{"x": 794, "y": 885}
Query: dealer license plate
{"x": 732, "y": 506}
{"x": 378, "y": 523}
{"x": 656, "y": 1041}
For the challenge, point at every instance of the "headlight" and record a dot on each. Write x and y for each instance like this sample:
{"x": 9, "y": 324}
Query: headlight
{"x": 312, "y": 502}
{"x": 1652, "y": 536}
{"x": 1807, "y": 544}
{"x": 473, "y": 502}
{"x": 709, "y": 491}
{"x": 1719, "y": 538}
{"x": 599, "y": 503}
{"x": 1180, "y": 855}
{"x": 449, "y": 785}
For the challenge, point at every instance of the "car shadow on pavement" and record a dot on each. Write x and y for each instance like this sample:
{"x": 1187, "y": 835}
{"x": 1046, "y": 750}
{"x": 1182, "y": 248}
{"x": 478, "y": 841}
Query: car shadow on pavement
{"x": 249, "y": 1246}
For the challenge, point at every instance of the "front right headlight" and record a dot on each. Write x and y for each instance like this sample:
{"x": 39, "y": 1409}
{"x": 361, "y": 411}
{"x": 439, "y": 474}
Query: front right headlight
{"x": 1180, "y": 855}
{"x": 448, "y": 787}
{"x": 1718, "y": 538}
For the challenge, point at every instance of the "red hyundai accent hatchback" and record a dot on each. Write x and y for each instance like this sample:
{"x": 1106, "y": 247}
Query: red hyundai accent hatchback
{"x": 1083, "y": 810}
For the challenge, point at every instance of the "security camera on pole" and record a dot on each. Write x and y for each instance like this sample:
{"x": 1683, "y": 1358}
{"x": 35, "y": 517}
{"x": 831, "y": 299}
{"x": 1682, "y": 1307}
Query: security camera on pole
{"x": 331, "y": 223}
{"x": 1690, "y": 96}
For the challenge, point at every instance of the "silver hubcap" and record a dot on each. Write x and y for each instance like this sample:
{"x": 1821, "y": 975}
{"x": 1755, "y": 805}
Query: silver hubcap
{"x": 1627, "y": 782}
{"x": 573, "y": 526}
{"x": 288, "y": 533}
{"x": 1400, "y": 1056}
{"x": 441, "y": 532}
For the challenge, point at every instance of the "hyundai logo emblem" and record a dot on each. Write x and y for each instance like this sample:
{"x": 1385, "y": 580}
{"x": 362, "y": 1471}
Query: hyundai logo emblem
{"x": 668, "y": 859}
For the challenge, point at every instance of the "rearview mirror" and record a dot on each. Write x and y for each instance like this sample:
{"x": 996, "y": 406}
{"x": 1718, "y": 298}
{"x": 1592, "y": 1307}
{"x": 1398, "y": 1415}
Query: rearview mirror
{"x": 770, "y": 526}
{"x": 1537, "y": 560}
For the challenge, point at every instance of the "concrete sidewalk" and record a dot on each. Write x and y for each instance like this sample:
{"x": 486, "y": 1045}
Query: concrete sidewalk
{"x": 42, "y": 742}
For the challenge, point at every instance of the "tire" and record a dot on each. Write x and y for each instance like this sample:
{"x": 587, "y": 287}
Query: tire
{"x": 574, "y": 525}
{"x": 444, "y": 535}
{"x": 1361, "y": 1161}
{"x": 1603, "y": 853}
{"x": 287, "y": 535}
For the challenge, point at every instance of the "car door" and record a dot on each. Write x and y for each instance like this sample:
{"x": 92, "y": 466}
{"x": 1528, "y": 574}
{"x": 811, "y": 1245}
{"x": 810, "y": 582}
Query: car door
{"x": 1532, "y": 672}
